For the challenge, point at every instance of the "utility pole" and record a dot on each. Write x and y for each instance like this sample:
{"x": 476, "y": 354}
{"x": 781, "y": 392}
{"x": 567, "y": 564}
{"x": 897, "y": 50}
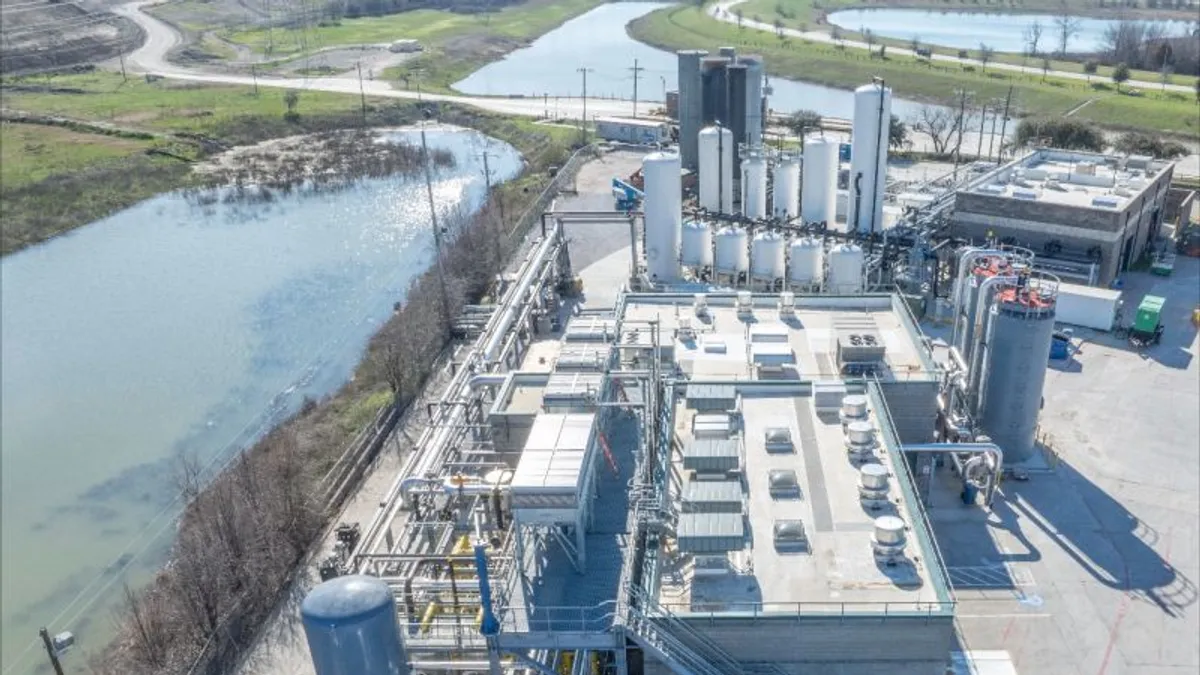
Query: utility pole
{"x": 437, "y": 231}
{"x": 962, "y": 111}
{"x": 1004, "y": 124}
{"x": 583, "y": 120}
{"x": 992, "y": 133}
{"x": 51, "y": 651}
{"x": 637, "y": 74}
{"x": 362, "y": 94}
{"x": 982, "y": 121}
{"x": 124, "y": 77}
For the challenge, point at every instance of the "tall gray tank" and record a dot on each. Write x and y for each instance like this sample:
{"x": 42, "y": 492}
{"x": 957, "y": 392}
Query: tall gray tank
{"x": 1022, "y": 326}
{"x": 754, "y": 98}
{"x": 691, "y": 105}
{"x": 352, "y": 628}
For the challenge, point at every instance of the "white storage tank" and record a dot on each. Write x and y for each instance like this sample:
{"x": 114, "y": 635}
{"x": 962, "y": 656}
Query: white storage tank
{"x": 785, "y": 201}
{"x": 868, "y": 155}
{"x": 662, "y": 207}
{"x": 754, "y": 186}
{"x": 845, "y": 269}
{"x": 818, "y": 199}
{"x": 807, "y": 261}
{"x": 697, "y": 244}
{"x": 766, "y": 256}
{"x": 715, "y": 151}
{"x": 732, "y": 257}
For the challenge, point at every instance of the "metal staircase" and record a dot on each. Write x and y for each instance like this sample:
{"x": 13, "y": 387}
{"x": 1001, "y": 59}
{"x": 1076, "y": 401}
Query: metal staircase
{"x": 676, "y": 644}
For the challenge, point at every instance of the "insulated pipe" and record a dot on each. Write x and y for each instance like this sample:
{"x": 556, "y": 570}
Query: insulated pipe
{"x": 969, "y": 448}
{"x": 516, "y": 297}
{"x": 965, "y": 264}
{"x": 978, "y": 363}
{"x": 487, "y": 380}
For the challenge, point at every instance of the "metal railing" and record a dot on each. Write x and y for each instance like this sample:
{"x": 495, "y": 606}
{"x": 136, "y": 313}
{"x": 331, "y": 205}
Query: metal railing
{"x": 558, "y": 619}
{"x": 777, "y": 610}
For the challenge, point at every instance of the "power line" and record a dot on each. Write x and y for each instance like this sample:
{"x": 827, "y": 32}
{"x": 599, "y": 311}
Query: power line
{"x": 636, "y": 76}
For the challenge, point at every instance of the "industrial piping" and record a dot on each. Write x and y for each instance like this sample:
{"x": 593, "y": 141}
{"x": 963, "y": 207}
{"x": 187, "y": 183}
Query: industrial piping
{"x": 517, "y": 297}
{"x": 988, "y": 449}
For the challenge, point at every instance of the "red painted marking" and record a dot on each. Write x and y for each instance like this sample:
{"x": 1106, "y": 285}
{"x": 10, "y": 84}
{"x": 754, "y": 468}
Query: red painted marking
{"x": 1112, "y": 635}
{"x": 1007, "y": 630}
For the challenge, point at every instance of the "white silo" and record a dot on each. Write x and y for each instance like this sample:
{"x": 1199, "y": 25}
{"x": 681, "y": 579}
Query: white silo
{"x": 766, "y": 256}
{"x": 807, "y": 266}
{"x": 845, "y": 269}
{"x": 697, "y": 245}
{"x": 868, "y": 156}
{"x": 754, "y": 186}
{"x": 818, "y": 199}
{"x": 662, "y": 207}
{"x": 732, "y": 257}
{"x": 785, "y": 200}
{"x": 716, "y": 169}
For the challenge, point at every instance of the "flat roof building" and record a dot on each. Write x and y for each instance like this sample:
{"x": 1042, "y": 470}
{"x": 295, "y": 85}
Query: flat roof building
{"x": 1078, "y": 209}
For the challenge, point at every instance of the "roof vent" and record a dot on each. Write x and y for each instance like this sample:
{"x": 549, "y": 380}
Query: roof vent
{"x": 778, "y": 439}
{"x": 787, "y": 304}
{"x": 700, "y": 304}
{"x": 889, "y": 539}
{"x": 790, "y": 535}
{"x": 860, "y": 440}
{"x": 745, "y": 304}
{"x": 783, "y": 483}
{"x": 873, "y": 485}
{"x": 854, "y": 407}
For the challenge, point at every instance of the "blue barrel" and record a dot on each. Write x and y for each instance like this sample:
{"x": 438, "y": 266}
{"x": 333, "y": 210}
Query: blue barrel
{"x": 352, "y": 629}
{"x": 968, "y": 493}
{"x": 844, "y": 152}
{"x": 1059, "y": 349}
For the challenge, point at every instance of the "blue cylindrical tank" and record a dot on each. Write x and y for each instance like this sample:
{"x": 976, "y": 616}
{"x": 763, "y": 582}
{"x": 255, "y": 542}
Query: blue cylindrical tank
{"x": 352, "y": 628}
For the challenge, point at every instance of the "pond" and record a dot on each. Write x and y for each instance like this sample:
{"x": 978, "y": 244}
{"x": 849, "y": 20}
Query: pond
{"x": 597, "y": 41}
{"x": 175, "y": 327}
{"x": 966, "y": 30}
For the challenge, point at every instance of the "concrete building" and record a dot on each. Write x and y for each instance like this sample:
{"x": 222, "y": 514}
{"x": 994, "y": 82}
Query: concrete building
{"x": 1088, "y": 215}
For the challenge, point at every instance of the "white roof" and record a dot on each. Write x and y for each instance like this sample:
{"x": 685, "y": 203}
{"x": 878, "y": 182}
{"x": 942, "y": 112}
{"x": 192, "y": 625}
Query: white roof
{"x": 554, "y": 454}
{"x": 1088, "y": 291}
{"x": 629, "y": 121}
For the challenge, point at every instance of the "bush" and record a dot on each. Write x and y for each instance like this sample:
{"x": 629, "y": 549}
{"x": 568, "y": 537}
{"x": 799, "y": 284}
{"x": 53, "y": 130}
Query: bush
{"x": 1060, "y": 132}
{"x": 1137, "y": 143}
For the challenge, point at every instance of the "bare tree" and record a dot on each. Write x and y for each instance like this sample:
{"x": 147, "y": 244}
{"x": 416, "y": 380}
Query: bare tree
{"x": 1045, "y": 68}
{"x": 985, "y": 54}
{"x": 869, "y": 38}
{"x": 1164, "y": 75}
{"x": 835, "y": 34}
{"x": 150, "y": 634}
{"x": 740, "y": 16}
{"x": 1033, "y": 37}
{"x": 915, "y": 44}
{"x": 938, "y": 124}
{"x": 1066, "y": 26}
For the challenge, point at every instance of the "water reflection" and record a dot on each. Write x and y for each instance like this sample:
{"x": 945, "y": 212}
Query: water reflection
{"x": 549, "y": 67}
{"x": 182, "y": 324}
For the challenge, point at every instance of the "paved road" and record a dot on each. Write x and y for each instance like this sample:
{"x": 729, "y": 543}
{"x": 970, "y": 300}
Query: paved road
{"x": 722, "y": 12}
{"x": 151, "y": 58}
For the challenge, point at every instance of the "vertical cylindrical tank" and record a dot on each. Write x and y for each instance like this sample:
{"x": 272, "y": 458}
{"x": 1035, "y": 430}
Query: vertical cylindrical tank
{"x": 818, "y": 199}
{"x": 1018, "y": 348}
{"x": 352, "y": 629}
{"x": 697, "y": 244}
{"x": 754, "y": 186}
{"x": 785, "y": 200}
{"x": 716, "y": 169}
{"x": 845, "y": 269}
{"x": 868, "y": 156}
{"x": 731, "y": 256}
{"x": 691, "y": 104}
{"x": 662, "y": 207}
{"x": 766, "y": 256}
{"x": 807, "y": 265}
{"x": 754, "y": 99}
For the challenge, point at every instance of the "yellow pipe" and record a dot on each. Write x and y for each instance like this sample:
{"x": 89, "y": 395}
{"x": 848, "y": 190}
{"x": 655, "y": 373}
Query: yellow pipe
{"x": 566, "y": 663}
{"x": 462, "y": 546}
{"x": 427, "y": 619}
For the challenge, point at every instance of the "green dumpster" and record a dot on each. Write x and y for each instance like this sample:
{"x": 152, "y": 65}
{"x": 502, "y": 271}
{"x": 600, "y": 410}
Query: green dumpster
{"x": 1148, "y": 314}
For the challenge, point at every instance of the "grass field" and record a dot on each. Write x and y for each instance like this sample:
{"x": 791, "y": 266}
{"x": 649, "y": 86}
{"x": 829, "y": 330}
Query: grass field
{"x": 455, "y": 44}
{"x": 56, "y": 179}
{"x": 810, "y": 15}
{"x": 687, "y": 27}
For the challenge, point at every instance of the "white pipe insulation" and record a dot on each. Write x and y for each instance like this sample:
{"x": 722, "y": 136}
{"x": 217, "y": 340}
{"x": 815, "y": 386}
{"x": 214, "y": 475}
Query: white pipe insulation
{"x": 988, "y": 449}
{"x": 517, "y": 296}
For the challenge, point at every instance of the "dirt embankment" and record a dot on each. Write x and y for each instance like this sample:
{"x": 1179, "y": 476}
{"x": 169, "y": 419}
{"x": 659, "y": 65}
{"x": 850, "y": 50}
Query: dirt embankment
{"x": 40, "y": 35}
